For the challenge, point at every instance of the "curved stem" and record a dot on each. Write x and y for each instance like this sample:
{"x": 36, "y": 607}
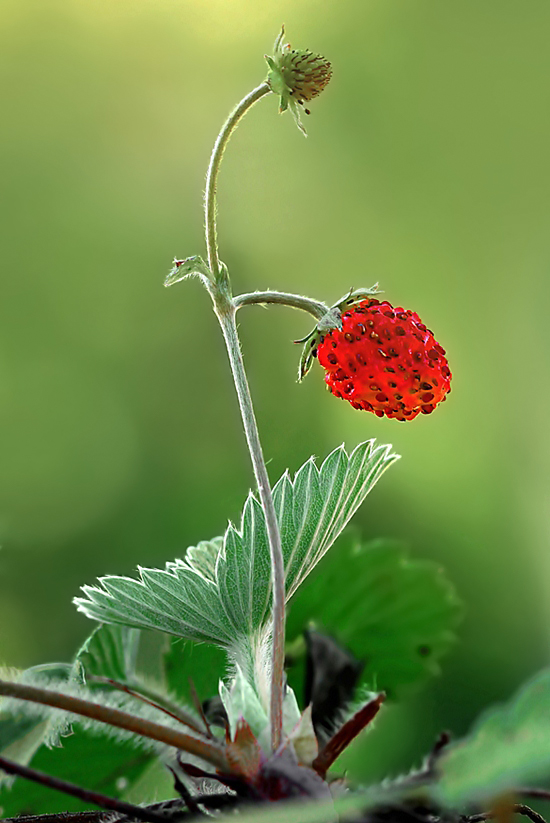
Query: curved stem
{"x": 212, "y": 175}
{"x": 205, "y": 749}
{"x": 540, "y": 794}
{"x": 229, "y": 329}
{"x": 515, "y": 808}
{"x": 295, "y": 301}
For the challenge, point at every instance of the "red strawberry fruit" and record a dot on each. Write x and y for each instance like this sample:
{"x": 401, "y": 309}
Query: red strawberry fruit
{"x": 386, "y": 361}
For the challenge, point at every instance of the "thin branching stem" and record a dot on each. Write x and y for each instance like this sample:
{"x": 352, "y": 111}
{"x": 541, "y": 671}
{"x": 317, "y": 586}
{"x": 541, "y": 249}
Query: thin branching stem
{"x": 515, "y": 808}
{"x": 229, "y": 329}
{"x": 296, "y": 301}
{"x": 86, "y": 795}
{"x": 529, "y": 791}
{"x": 205, "y": 749}
{"x": 225, "y": 311}
{"x": 157, "y": 701}
{"x": 59, "y": 817}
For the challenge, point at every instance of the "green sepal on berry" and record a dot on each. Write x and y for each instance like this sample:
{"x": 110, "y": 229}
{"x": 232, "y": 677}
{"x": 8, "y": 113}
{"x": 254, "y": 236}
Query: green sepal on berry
{"x": 297, "y": 76}
{"x": 332, "y": 320}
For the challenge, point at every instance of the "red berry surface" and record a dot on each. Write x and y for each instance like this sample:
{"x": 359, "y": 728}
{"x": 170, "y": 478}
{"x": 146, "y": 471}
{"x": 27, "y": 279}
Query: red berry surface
{"x": 386, "y": 361}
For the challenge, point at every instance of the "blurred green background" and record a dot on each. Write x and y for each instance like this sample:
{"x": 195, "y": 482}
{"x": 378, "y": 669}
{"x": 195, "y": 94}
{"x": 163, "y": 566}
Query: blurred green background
{"x": 426, "y": 168}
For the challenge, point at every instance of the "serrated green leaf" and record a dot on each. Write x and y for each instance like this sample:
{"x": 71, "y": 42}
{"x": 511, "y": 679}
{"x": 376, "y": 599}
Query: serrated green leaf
{"x": 312, "y": 511}
{"x": 322, "y": 502}
{"x": 190, "y": 267}
{"x": 398, "y": 614}
{"x": 508, "y": 747}
{"x": 178, "y": 600}
{"x": 244, "y": 577}
{"x": 204, "y": 556}
{"x": 111, "y": 652}
{"x": 222, "y": 595}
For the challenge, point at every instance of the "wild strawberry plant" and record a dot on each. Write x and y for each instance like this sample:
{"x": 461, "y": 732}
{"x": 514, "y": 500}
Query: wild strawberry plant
{"x": 218, "y": 724}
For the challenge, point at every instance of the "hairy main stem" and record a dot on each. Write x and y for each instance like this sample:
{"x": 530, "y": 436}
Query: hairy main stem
{"x": 229, "y": 328}
{"x": 205, "y": 749}
{"x": 226, "y": 310}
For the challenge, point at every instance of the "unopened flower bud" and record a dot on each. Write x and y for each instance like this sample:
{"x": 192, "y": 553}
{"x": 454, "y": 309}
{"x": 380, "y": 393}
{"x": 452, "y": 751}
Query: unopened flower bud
{"x": 297, "y": 76}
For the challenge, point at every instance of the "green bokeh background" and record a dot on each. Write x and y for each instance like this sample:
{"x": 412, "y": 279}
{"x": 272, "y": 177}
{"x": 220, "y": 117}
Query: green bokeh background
{"x": 426, "y": 168}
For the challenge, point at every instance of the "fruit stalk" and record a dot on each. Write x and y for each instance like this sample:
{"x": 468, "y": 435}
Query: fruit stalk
{"x": 295, "y": 301}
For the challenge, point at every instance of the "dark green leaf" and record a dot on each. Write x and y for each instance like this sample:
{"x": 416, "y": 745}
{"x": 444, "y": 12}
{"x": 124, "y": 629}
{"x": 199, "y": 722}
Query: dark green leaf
{"x": 395, "y": 613}
{"x": 508, "y": 747}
